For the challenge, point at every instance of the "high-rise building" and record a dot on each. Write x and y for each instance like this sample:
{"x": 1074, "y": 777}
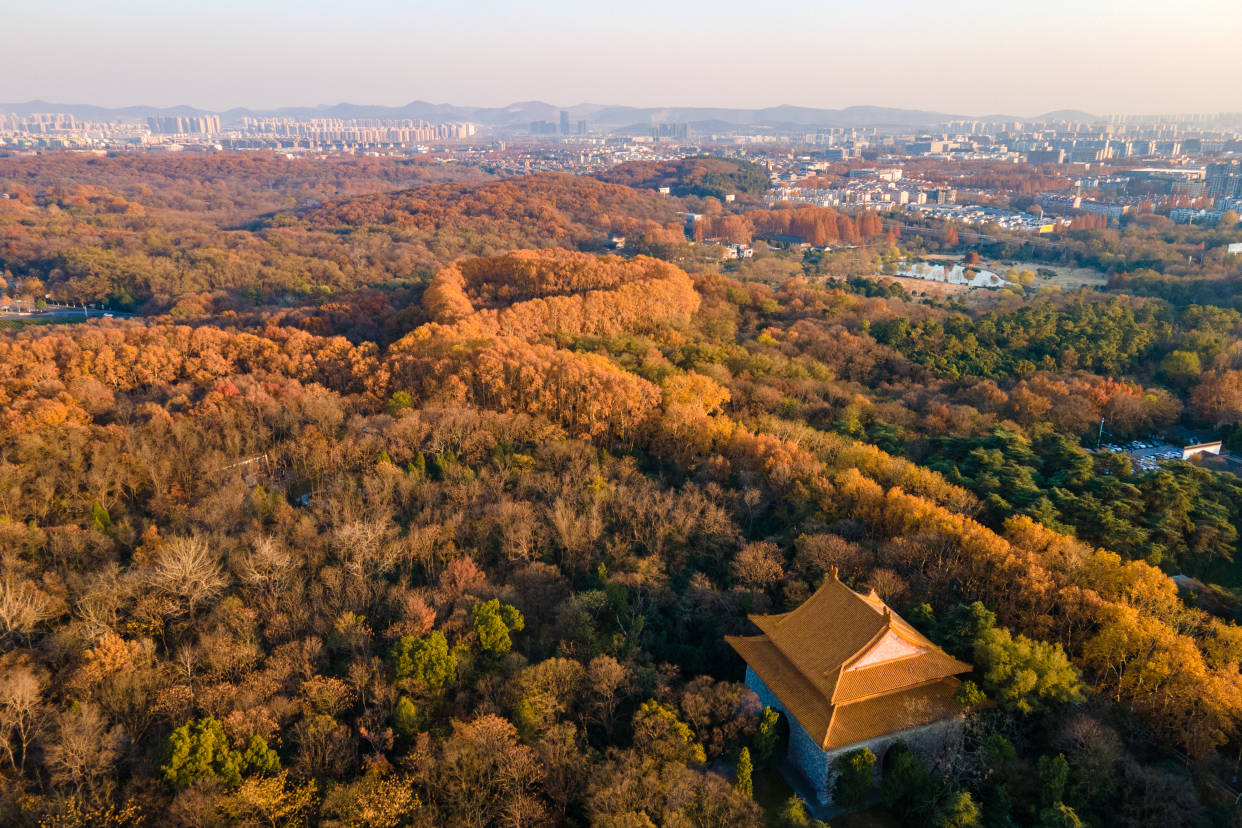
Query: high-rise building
{"x": 564, "y": 122}
{"x": 1046, "y": 156}
{"x": 1225, "y": 180}
{"x": 680, "y": 132}
{"x": 188, "y": 125}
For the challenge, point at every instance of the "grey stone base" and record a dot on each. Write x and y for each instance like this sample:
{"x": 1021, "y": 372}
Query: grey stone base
{"x": 818, "y": 768}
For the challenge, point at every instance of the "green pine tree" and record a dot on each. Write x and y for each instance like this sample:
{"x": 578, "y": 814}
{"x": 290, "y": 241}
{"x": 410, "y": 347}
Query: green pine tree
{"x": 745, "y": 784}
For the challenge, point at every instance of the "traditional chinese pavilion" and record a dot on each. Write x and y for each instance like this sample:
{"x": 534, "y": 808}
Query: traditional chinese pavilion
{"x": 848, "y": 672}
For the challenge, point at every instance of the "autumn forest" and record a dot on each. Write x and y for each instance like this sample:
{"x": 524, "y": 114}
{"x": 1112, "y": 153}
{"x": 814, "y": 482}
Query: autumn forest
{"x": 393, "y": 495}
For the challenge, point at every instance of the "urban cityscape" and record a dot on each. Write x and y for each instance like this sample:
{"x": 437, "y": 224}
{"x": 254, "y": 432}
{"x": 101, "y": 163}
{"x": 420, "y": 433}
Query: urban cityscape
{"x": 1187, "y": 167}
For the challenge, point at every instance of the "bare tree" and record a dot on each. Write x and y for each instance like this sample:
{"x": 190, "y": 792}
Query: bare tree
{"x": 515, "y": 527}
{"x": 574, "y": 530}
{"x": 890, "y": 586}
{"x": 758, "y": 565}
{"x": 84, "y": 750}
{"x": 268, "y": 570}
{"x": 188, "y": 570}
{"x": 608, "y": 681}
{"x": 22, "y": 606}
{"x": 20, "y": 692}
{"x": 101, "y": 602}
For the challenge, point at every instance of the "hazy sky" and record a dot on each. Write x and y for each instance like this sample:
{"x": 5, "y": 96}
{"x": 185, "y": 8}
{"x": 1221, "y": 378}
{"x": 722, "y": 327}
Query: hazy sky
{"x": 961, "y": 56}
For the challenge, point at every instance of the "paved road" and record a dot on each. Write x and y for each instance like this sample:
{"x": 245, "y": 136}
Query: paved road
{"x": 64, "y": 312}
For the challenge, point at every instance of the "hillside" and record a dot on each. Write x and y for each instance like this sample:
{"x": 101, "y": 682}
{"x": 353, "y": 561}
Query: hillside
{"x": 408, "y": 508}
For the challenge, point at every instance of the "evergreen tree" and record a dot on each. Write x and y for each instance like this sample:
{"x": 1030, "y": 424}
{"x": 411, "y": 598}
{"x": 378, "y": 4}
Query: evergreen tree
{"x": 767, "y": 736}
{"x": 493, "y": 622}
{"x": 200, "y": 750}
{"x": 745, "y": 784}
{"x": 855, "y": 775}
{"x": 1023, "y": 674}
{"x": 426, "y": 660}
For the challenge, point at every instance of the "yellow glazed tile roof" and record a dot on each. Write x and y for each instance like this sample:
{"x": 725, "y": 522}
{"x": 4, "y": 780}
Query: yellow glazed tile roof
{"x": 848, "y": 668}
{"x": 860, "y": 721}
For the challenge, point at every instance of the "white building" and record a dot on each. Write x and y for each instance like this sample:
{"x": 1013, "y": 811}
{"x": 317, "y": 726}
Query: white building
{"x": 956, "y": 275}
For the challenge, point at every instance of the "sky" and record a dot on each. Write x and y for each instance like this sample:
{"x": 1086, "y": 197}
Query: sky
{"x": 970, "y": 57}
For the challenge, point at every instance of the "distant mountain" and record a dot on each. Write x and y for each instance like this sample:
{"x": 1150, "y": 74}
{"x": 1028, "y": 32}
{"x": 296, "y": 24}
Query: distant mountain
{"x": 785, "y": 115}
{"x": 88, "y": 112}
{"x": 855, "y": 116}
{"x": 522, "y": 113}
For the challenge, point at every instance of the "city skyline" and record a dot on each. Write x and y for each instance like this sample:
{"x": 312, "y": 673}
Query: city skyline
{"x": 962, "y": 57}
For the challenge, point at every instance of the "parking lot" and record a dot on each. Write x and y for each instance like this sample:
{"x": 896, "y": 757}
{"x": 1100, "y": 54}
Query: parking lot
{"x": 1146, "y": 454}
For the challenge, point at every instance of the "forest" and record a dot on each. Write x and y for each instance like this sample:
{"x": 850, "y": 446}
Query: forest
{"x": 696, "y": 175}
{"x": 1015, "y": 181}
{"x": 816, "y": 226}
{"x": 268, "y": 228}
{"x": 1146, "y": 255}
{"x": 399, "y": 503}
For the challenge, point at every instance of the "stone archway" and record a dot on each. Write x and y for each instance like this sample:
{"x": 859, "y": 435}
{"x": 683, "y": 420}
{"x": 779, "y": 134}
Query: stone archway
{"x": 884, "y": 758}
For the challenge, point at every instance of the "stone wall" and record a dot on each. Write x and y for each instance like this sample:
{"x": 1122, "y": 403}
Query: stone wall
{"x": 805, "y": 755}
{"x": 819, "y": 767}
{"x": 929, "y": 742}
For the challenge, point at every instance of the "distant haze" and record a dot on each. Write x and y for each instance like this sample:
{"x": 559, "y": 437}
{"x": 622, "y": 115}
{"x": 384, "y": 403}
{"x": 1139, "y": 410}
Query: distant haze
{"x": 975, "y": 57}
